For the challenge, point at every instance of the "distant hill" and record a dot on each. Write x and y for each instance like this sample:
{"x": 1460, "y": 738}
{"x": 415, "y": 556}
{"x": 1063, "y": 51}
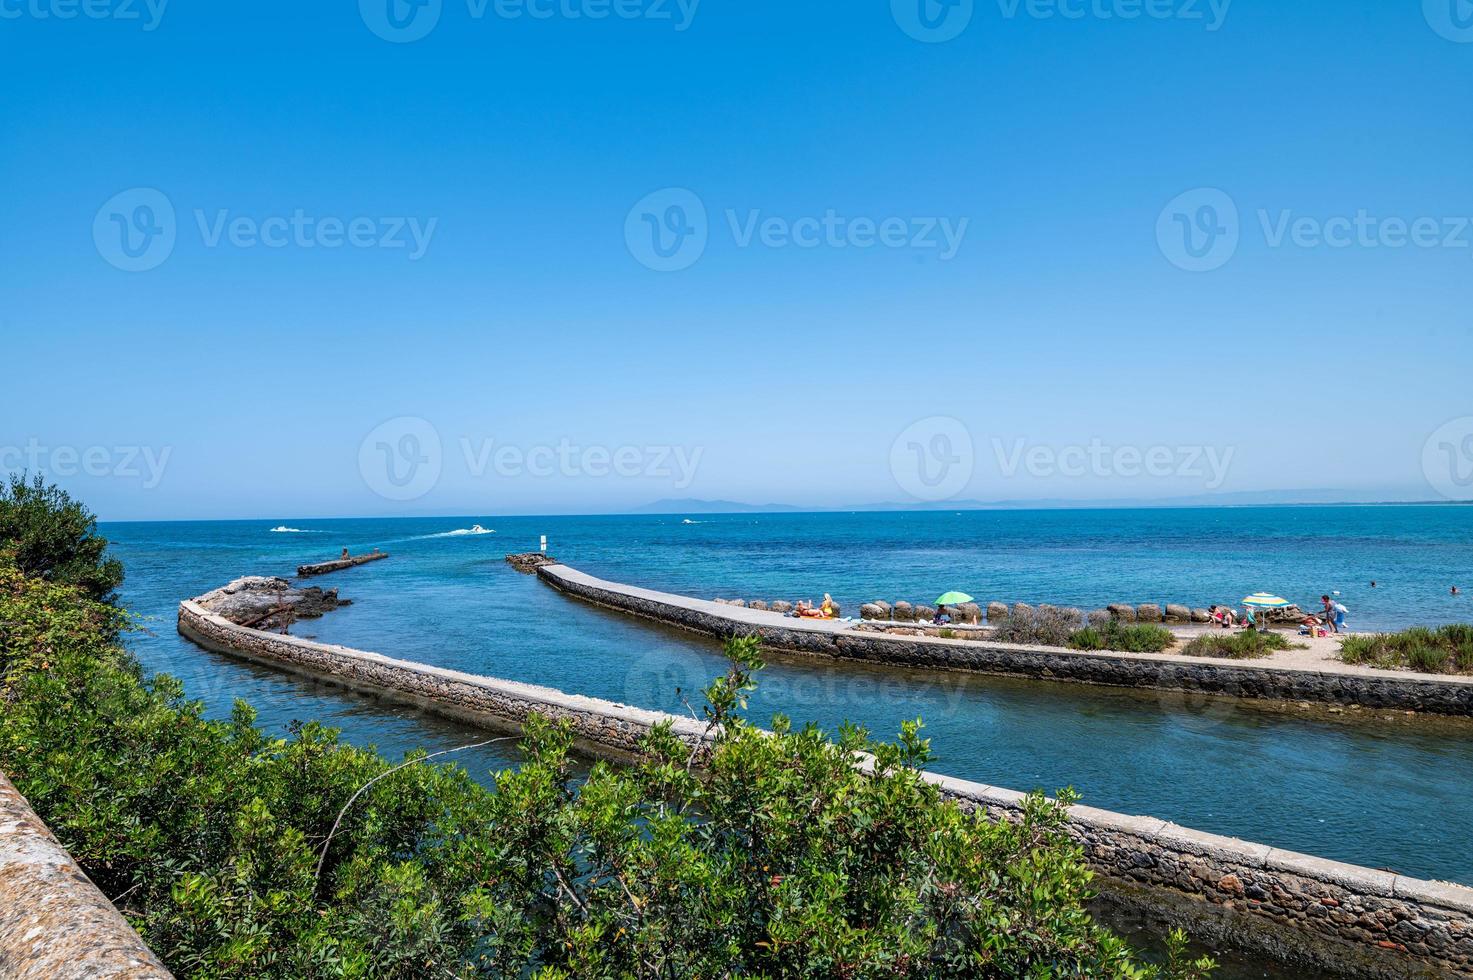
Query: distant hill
{"x": 689, "y": 505}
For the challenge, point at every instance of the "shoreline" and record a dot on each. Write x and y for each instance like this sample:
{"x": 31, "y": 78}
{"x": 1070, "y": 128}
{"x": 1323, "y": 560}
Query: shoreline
{"x": 1302, "y": 676}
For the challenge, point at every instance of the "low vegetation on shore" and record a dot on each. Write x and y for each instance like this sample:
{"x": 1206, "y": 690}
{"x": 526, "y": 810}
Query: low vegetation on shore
{"x": 242, "y": 855}
{"x": 1249, "y": 644}
{"x": 1444, "y": 650}
{"x": 1053, "y": 627}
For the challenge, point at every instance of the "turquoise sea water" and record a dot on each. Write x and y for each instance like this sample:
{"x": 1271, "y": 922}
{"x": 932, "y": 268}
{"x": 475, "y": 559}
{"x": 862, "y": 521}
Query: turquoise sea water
{"x": 1383, "y": 793}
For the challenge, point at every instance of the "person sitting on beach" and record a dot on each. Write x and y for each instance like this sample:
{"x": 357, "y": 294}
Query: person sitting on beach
{"x": 806, "y": 610}
{"x": 1312, "y": 627}
{"x": 345, "y": 553}
{"x": 827, "y": 606}
{"x": 1222, "y": 616}
{"x": 941, "y": 618}
{"x": 1250, "y": 619}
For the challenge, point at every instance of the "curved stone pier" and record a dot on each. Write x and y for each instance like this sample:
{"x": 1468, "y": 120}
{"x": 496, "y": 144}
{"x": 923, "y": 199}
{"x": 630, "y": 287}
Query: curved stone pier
{"x": 1341, "y": 684}
{"x": 1294, "y": 907}
{"x": 54, "y": 923}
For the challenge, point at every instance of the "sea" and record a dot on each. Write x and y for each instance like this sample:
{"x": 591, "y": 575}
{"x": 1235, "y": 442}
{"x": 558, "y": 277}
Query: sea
{"x": 1376, "y": 789}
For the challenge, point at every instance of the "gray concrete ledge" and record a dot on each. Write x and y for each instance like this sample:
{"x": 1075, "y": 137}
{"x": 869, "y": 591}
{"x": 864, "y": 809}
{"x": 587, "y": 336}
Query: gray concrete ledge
{"x": 1338, "y": 684}
{"x": 54, "y": 923}
{"x": 1300, "y": 908}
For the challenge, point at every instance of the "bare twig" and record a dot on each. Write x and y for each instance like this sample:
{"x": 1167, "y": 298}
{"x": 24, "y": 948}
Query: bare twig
{"x": 322, "y": 858}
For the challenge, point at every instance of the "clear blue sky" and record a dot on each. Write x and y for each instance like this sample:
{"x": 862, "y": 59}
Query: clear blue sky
{"x": 254, "y": 374}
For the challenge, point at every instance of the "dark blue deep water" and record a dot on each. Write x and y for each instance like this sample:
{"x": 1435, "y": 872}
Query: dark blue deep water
{"x": 1381, "y": 791}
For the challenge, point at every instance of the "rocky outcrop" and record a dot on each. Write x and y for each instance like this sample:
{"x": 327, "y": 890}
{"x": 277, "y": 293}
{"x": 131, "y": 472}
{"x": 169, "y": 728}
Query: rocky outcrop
{"x": 1178, "y": 614}
{"x": 903, "y": 612}
{"x": 781, "y": 606}
{"x": 758, "y": 604}
{"x": 1121, "y": 611}
{"x": 874, "y": 611}
{"x": 529, "y": 561}
{"x": 997, "y": 612}
{"x": 1201, "y": 616}
{"x": 1148, "y": 612}
{"x": 269, "y": 603}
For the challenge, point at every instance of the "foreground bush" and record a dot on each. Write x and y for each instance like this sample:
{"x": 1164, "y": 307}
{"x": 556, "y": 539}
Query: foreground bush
{"x": 1237, "y": 645}
{"x": 1125, "y": 637}
{"x": 780, "y": 856}
{"x": 1445, "y": 650}
{"x": 54, "y": 537}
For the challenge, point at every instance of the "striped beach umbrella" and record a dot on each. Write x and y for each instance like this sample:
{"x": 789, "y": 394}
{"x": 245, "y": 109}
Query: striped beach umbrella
{"x": 1265, "y": 600}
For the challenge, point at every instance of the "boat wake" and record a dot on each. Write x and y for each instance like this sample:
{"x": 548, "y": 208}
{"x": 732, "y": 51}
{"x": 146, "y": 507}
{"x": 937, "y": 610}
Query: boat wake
{"x": 460, "y": 533}
{"x": 283, "y": 529}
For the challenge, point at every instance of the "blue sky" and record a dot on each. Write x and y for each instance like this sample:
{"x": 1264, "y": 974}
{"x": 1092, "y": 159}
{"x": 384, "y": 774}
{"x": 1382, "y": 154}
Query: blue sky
{"x": 1067, "y": 341}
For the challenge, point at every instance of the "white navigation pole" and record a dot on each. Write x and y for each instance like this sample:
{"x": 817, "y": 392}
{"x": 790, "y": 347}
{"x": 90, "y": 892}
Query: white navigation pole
{"x": 544, "y": 544}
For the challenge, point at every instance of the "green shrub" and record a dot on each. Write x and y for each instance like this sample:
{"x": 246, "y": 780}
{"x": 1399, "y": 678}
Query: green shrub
{"x": 1237, "y": 645}
{"x": 1445, "y": 650}
{"x": 1125, "y": 637}
{"x": 778, "y": 855}
{"x": 54, "y": 537}
{"x": 1046, "y": 626}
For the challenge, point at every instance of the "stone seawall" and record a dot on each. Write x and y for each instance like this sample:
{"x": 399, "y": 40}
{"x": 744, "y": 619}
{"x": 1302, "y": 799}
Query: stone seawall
{"x": 54, "y": 923}
{"x": 1334, "y": 684}
{"x": 1295, "y": 907}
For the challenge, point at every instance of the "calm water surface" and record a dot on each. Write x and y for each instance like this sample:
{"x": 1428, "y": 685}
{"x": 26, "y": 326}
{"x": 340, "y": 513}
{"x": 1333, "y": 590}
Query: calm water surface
{"x": 1379, "y": 793}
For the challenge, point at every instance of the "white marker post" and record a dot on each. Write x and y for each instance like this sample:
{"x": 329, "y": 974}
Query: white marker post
{"x": 544, "y": 544}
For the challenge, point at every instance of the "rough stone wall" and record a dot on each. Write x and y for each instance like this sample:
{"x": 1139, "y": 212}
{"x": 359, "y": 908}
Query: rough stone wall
{"x": 1451, "y": 696}
{"x": 54, "y": 923}
{"x": 1297, "y": 907}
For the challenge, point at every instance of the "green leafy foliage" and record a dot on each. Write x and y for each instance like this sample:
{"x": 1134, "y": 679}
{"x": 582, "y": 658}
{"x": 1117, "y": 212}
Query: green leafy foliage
{"x": 1444, "y": 650}
{"x": 54, "y": 537}
{"x": 781, "y": 854}
{"x": 1237, "y": 645}
{"x": 1126, "y": 637}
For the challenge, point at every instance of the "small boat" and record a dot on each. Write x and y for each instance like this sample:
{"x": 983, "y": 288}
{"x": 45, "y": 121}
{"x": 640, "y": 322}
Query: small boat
{"x": 478, "y": 529}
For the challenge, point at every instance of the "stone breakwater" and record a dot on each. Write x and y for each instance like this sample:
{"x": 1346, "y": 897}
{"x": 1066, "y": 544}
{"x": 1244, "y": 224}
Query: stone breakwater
{"x": 1331, "y": 683}
{"x": 54, "y": 923}
{"x": 1295, "y": 907}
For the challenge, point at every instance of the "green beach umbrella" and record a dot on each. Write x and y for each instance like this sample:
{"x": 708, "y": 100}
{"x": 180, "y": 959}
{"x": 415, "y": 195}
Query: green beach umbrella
{"x": 953, "y": 599}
